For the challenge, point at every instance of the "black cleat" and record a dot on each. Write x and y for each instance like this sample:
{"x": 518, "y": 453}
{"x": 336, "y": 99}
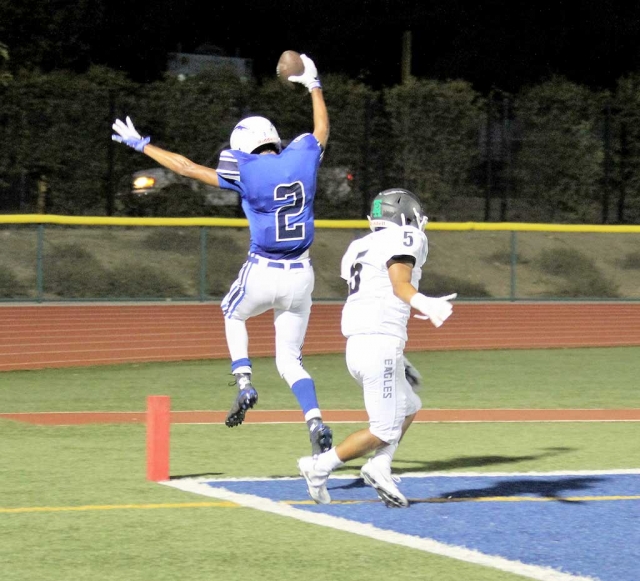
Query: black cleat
{"x": 247, "y": 397}
{"x": 245, "y": 400}
{"x": 321, "y": 438}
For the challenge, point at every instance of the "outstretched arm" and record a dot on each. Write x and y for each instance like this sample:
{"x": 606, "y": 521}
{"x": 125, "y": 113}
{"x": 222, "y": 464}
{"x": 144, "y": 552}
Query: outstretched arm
{"x": 182, "y": 165}
{"x": 126, "y": 133}
{"x": 309, "y": 78}
{"x": 320, "y": 117}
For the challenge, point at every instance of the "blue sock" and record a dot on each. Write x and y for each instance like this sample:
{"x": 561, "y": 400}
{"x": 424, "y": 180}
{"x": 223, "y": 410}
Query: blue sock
{"x": 305, "y": 392}
{"x": 241, "y": 363}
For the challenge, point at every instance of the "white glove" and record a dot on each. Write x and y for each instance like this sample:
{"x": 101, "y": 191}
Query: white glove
{"x": 127, "y": 134}
{"x": 309, "y": 78}
{"x": 413, "y": 375}
{"x": 436, "y": 309}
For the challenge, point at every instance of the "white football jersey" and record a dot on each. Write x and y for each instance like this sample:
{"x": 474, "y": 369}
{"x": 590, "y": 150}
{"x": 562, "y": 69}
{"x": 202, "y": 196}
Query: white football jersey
{"x": 371, "y": 306}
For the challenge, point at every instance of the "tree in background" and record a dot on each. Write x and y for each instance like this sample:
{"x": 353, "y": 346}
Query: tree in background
{"x": 42, "y": 37}
{"x": 194, "y": 116}
{"x": 426, "y": 135}
{"x": 433, "y": 135}
{"x": 5, "y": 76}
{"x": 627, "y": 147}
{"x": 59, "y": 127}
{"x": 558, "y": 164}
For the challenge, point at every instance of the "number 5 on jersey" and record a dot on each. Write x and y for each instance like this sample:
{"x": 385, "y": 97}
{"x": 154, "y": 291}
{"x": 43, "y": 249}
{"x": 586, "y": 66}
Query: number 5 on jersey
{"x": 354, "y": 279}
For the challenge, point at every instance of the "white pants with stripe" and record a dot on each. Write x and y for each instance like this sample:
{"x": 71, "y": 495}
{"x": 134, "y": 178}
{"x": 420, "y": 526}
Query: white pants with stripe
{"x": 376, "y": 363}
{"x": 284, "y": 286}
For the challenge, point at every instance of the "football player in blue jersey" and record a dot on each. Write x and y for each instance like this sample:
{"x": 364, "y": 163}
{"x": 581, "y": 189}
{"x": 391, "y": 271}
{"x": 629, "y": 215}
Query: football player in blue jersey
{"x": 277, "y": 187}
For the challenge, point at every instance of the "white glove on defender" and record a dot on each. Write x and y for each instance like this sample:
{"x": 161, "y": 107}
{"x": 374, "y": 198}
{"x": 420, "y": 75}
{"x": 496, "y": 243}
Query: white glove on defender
{"x": 436, "y": 309}
{"x": 309, "y": 78}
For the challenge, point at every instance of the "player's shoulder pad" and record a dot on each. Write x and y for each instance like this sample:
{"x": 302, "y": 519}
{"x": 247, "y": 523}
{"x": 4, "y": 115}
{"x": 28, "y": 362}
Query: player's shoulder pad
{"x": 308, "y": 142}
{"x": 230, "y": 154}
{"x": 299, "y": 138}
{"x": 228, "y": 165}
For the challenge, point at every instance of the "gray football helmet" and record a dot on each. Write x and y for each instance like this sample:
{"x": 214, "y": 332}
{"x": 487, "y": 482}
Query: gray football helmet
{"x": 396, "y": 207}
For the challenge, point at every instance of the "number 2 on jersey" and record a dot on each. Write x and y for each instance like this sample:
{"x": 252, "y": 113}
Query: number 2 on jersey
{"x": 294, "y": 195}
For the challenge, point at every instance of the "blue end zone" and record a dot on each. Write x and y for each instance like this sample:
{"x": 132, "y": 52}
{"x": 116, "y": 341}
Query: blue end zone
{"x": 578, "y": 524}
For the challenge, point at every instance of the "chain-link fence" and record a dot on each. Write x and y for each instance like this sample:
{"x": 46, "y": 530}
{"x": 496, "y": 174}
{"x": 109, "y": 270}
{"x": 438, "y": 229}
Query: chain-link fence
{"x": 52, "y": 262}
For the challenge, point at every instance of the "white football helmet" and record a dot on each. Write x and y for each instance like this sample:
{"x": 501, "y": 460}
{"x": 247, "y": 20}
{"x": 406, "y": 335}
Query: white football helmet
{"x": 254, "y": 132}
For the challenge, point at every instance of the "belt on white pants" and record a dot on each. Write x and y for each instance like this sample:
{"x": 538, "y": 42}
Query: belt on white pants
{"x": 283, "y": 264}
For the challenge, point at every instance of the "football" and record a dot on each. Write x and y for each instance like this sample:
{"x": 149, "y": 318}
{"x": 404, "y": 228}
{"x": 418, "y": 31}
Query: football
{"x": 289, "y": 64}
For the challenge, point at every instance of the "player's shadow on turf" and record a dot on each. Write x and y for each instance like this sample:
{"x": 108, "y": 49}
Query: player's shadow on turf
{"x": 475, "y": 461}
{"x": 340, "y": 485}
{"x": 556, "y": 489}
{"x": 202, "y": 475}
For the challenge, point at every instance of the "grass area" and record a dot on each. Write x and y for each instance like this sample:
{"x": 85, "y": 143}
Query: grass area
{"x": 104, "y": 465}
{"x": 541, "y": 378}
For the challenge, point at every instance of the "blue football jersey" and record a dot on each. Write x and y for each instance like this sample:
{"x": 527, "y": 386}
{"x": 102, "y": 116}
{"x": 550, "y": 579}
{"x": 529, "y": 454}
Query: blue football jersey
{"x": 277, "y": 193}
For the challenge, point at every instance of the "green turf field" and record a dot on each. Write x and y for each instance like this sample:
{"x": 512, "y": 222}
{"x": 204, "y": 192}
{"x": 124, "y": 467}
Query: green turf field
{"x": 75, "y": 503}
{"x": 543, "y": 378}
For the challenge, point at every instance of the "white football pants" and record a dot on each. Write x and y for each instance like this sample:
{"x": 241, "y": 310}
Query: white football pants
{"x": 284, "y": 286}
{"x": 376, "y": 362}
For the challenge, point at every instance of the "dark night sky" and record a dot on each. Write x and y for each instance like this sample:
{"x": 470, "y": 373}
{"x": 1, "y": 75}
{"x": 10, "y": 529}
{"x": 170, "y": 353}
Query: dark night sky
{"x": 506, "y": 44}
{"x": 491, "y": 43}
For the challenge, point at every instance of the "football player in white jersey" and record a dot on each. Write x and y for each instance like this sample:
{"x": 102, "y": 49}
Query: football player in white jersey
{"x": 383, "y": 270}
{"x": 277, "y": 187}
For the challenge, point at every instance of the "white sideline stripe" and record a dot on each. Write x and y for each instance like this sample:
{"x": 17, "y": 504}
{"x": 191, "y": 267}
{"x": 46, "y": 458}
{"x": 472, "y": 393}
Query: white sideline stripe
{"x": 367, "y": 530}
{"x": 293, "y": 410}
{"x": 439, "y": 422}
{"x": 615, "y": 472}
